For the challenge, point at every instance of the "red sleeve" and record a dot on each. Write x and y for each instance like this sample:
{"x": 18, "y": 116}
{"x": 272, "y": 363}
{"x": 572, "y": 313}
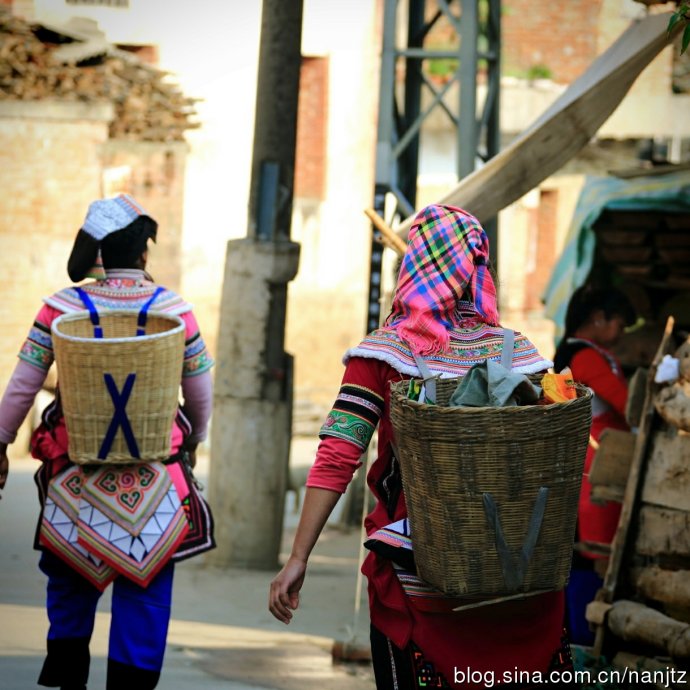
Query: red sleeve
{"x": 346, "y": 433}
{"x": 335, "y": 464}
{"x": 590, "y": 368}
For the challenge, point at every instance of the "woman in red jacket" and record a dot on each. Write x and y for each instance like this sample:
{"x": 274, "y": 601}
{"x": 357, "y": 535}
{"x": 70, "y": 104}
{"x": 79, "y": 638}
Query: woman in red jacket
{"x": 444, "y": 310}
{"x": 594, "y": 323}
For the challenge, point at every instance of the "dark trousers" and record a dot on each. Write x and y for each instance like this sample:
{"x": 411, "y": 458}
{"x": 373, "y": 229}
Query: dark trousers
{"x": 138, "y": 628}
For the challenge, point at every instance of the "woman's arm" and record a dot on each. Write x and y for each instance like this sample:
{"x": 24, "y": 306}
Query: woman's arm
{"x": 344, "y": 437}
{"x": 283, "y": 596}
{"x": 27, "y": 380}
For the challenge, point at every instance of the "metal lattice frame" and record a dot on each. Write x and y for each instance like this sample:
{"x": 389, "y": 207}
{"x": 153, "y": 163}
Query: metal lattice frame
{"x": 401, "y": 117}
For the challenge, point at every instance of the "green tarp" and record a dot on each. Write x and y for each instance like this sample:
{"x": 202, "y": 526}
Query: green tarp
{"x": 668, "y": 193}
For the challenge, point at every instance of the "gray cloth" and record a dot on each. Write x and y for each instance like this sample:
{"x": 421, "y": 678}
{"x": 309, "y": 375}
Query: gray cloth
{"x": 489, "y": 384}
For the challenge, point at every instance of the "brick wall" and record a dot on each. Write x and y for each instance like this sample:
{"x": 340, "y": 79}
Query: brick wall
{"x": 543, "y": 247}
{"x": 561, "y": 36}
{"x": 310, "y": 164}
{"x": 153, "y": 173}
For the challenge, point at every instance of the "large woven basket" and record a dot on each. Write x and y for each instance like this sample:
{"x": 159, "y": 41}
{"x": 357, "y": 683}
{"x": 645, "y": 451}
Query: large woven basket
{"x": 450, "y": 458}
{"x": 117, "y": 383}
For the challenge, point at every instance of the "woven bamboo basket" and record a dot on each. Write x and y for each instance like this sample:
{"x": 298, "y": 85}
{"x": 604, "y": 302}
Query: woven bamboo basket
{"x": 451, "y": 457}
{"x": 151, "y": 364}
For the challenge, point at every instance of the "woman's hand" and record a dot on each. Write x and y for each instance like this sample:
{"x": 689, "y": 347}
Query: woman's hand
{"x": 4, "y": 466}
{"x": 283, "y": 597}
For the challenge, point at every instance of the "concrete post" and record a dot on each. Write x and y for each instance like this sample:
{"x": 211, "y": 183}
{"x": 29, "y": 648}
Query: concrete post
{"x": 250, "y": 441}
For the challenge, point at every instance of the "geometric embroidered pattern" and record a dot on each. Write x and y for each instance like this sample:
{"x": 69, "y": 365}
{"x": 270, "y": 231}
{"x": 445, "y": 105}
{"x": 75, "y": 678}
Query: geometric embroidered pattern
{"x": 138, "y": 557}
{"x": 58, "y": 529}
{"x": 128, "y": 495}
{"x": 112, "y": 520}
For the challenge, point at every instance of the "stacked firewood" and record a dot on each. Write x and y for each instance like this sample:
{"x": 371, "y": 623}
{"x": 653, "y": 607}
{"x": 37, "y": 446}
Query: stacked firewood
{"x": 148, "y": 106}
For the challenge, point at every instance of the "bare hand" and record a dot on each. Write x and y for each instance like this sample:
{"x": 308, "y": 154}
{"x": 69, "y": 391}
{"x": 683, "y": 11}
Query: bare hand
{"x": 4, "y": 466}
{"x": 283, "y": 597}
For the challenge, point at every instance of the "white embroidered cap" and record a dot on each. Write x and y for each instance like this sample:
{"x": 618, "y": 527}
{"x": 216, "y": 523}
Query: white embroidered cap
{"x": 110, "y": 215}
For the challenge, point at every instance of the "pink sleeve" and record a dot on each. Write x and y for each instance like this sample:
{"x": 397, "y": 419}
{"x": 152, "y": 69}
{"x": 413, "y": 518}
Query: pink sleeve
{"x": 18, "y": 399}
{"x": 197, "y": 392}
{"x": 335, "y": 463}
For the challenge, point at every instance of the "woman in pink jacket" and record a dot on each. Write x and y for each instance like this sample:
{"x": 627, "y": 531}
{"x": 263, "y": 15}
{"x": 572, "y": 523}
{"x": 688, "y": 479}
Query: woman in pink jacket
{"x": 82, "y": 555}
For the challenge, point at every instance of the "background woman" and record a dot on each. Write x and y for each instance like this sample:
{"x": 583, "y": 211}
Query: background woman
{"x": 594, "y": 323}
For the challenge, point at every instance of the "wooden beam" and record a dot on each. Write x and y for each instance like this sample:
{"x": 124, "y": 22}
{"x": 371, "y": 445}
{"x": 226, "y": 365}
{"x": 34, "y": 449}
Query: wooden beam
{"x": 563, "y": 129}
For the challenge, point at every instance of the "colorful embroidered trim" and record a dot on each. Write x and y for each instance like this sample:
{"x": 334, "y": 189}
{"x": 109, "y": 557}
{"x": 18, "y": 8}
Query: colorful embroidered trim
{"x": 138, "y": 558}
{"x": 354, "y": 416}
{"x": 128, "y": 495}
{"x": 123, "y": 289}
{"x": 38, "y": 347}
{"x": 471, "y": 342}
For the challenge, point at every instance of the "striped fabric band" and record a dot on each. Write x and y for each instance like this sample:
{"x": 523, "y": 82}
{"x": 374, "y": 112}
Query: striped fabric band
{"x": 38, "y": 346}
{"x": 354, "y": 416}
{"x": 123, "y": 289}
{"x": 471, "y": 342}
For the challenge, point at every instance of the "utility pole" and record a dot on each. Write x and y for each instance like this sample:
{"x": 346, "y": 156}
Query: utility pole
{"x": 250, "y": 440}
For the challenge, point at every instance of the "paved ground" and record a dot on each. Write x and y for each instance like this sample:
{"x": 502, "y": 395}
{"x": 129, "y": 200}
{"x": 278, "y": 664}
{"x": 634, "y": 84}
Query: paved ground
{"x": 222, "y": 635}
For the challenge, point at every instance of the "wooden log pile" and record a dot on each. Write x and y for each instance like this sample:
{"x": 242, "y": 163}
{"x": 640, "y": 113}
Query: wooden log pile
{"x": 645, "y": 601}
{"x": 148, "y": 106}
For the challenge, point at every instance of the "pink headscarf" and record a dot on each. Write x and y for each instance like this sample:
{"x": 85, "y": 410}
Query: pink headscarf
{"x": 446, "y": 258}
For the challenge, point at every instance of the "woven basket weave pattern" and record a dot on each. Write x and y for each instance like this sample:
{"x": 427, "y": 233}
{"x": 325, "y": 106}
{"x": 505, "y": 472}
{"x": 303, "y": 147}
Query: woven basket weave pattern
{"x": 82, "y": 360}
{"x": 450, "y": 456}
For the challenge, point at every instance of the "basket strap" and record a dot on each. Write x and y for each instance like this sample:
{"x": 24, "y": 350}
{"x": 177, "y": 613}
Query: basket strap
{"x": 93, "y": 312}
{"x": 514, "y": 574}
{"x": 429, "y": 379}
{"x": 143, "y": 314}
{"x": 120, "y": 419}
{"x": 508, "y": 347}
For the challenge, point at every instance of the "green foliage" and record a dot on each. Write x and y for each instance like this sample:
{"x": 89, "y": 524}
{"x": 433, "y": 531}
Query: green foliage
{"x": 442, "y": 68}
{"x": 539, "y": 72}
{"x": 681, "y": 14}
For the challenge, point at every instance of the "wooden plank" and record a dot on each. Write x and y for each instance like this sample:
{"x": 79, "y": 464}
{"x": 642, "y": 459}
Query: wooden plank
{"x": 632, "y": 487}
{"x": 663, "y": 532}
{"x": 637, "y": 623}
{"x": 637, "y": 387}
{"x": 667, "y": 483}
{"x": 563, "y": 129}
{"x": 670, "y": 587}
{"x": 611, "y": 463}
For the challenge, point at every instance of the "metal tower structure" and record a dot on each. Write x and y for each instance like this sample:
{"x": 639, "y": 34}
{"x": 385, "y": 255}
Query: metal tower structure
{"x": 408, "y": 95}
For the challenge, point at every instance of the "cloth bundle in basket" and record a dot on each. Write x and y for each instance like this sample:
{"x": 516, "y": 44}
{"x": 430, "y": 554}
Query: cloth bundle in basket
{"x": 491, "y": 492}
{"x": 119, "y": 390}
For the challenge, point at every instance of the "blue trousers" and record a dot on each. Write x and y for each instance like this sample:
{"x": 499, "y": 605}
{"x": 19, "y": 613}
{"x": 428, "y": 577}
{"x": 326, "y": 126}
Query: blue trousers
{"x": 138, "y": 628}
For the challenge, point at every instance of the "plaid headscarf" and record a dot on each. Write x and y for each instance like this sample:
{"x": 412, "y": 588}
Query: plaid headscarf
{"x": 446, "y": 257}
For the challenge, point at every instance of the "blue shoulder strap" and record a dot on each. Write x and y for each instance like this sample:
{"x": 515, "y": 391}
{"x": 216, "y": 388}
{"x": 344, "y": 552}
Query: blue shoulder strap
{"x": 143, "y": 314}
{"x": 95, "y": 320}
{"x": 93, "y": 313}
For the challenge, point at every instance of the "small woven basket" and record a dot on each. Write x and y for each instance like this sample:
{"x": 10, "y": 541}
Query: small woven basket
{"x": 451, "y": 457}
{"x": 118, "y": 384}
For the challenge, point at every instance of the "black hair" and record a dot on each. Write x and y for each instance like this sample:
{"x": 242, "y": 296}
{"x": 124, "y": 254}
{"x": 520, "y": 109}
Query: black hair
{"x": 120, "y": 249}
{"x": 123, "y": 248}
{"x": 583, "y": 303}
